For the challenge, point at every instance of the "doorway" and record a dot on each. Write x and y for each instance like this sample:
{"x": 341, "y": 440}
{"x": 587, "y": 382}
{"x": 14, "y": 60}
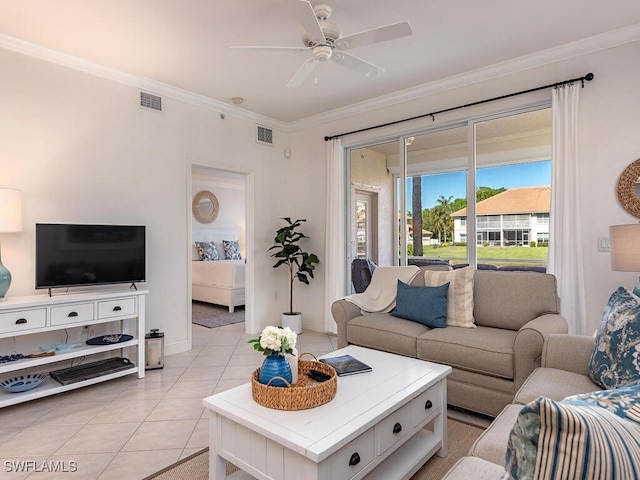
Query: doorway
{"x": 365, "y": 244}
{"x": 220, "y": 267}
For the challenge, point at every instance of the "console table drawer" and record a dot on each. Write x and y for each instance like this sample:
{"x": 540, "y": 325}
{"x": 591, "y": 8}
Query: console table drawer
{"x": 426, "y": 404}
{"x": 76, "y": 313}
{"x": 353, "y": 457}
{"x": 24, "y": 320}
{"x": 393, "y": 428}
{"x": 116, "y": 308}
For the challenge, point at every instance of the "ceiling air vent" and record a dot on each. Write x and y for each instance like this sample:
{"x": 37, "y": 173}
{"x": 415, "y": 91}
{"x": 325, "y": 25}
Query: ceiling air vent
{"x": 265, "y": 135}
{"x": 151, "y": 101}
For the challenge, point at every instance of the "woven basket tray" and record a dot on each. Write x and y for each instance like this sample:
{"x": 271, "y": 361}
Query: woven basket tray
{"x": 305, "y": 393}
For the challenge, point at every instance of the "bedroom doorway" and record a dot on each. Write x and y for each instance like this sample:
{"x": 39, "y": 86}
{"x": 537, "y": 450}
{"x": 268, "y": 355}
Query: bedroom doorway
{"x": 218, "y": 246}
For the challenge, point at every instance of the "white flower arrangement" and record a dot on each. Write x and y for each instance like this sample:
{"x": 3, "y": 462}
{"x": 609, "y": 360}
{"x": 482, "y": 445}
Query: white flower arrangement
{"x": 276, "y": 340}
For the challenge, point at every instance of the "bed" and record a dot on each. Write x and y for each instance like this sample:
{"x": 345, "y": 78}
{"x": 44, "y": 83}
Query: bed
{"x": 219, "y": 281}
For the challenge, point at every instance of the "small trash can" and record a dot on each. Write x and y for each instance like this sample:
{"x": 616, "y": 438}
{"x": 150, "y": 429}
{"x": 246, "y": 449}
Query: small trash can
{"x": 154, "y": 348}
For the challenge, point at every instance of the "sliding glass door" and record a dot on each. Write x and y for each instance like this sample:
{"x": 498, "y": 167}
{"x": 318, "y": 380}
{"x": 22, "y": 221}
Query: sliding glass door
{"x": 474, "y": 193}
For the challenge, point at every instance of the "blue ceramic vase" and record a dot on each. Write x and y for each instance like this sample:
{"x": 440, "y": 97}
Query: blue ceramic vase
{"x": 275, "y": 366}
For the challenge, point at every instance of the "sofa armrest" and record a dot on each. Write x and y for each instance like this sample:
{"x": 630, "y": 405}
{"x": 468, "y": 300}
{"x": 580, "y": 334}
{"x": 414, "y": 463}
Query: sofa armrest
{"x": 342, "y": 312}
{"x": 530, "y": 341}
{"x": 568, "y": 352}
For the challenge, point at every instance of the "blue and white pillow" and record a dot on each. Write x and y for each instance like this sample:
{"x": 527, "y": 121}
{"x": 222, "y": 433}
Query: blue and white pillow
{"x": 232, "y": 249}
{"x": 595, "y": 436}
{"x": 615, "y": 359}
{"x": 208, "y": 251}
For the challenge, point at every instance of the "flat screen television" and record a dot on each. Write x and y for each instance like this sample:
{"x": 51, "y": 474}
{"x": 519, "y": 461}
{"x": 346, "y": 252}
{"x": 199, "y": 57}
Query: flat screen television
{"x": 82, "y": 255}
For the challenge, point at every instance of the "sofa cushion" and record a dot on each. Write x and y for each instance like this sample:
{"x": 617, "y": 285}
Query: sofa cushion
{"x": 492, "y": 444}
{"x": 460, "y": 297}
{"x": 553, "y": 383}
{"x": 511, "y": 299}
{"x": 483, "y": 350}
{"x": 615, "y": 359}
{"x": 381, "y": 331}
{"x": 426, "y": 305}
{"x": 577, "y": 438}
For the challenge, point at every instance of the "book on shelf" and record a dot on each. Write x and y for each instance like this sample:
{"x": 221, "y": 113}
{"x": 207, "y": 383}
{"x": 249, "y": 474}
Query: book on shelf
{"x": 346, "y": 365}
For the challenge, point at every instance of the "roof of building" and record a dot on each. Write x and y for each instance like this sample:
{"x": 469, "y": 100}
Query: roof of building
{"x": 514, "y": 200}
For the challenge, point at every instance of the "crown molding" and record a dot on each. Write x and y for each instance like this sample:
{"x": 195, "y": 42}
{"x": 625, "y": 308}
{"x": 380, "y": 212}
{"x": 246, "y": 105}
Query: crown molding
{"x": 17, "y": 45}
{"x": 595, "y": 43}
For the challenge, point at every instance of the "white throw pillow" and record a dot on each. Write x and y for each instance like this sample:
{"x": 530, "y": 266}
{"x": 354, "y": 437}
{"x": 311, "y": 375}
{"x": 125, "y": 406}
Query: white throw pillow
{"x": 460, "y": 297}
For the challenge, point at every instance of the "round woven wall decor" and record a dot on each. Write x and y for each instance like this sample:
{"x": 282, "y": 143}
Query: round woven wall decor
{"x": 205, "y": 207}
{"x": 627, "y": 189}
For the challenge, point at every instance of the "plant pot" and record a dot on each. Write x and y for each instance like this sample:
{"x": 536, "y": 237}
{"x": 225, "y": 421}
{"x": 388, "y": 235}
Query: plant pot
{"x": 275, "y": 366}
{"x": 293, "y": 321}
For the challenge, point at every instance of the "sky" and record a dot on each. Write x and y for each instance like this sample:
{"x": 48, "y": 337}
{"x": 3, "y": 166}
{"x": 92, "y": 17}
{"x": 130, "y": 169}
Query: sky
{"x": 453, "y": 184}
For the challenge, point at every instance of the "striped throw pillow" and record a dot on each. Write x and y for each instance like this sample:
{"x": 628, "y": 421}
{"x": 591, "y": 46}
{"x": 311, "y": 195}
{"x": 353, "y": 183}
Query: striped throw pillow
{"x": 460, "y": 295}
{"x": 577, "y": 438}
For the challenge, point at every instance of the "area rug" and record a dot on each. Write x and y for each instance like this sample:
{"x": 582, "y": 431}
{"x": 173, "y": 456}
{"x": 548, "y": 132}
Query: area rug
{"x": 211, "y": 316}
{"x": 461, "y": 437}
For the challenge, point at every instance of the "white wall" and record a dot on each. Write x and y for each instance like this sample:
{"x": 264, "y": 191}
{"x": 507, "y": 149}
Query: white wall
{"x": 82, "y": 151}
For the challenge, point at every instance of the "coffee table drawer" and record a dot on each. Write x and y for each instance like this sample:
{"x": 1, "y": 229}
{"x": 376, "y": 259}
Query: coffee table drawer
{"x": 426, "y": 404}
{"x": 393, "y": 428}
{"x": 353, "y": 457}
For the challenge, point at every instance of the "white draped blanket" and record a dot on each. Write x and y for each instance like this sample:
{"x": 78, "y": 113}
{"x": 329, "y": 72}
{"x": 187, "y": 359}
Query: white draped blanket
{"x": 380, "y": 295}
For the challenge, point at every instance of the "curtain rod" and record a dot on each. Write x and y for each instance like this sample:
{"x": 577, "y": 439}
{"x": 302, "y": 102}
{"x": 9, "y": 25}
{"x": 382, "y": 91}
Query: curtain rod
{"x": 588, "y": 77}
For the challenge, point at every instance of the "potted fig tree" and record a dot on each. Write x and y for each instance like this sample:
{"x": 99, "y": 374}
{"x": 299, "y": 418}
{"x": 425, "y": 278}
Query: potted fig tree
{"x": 301, "y": 264}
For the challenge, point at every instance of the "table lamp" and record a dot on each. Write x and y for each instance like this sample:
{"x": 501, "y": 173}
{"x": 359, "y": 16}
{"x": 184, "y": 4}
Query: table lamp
{"x": 624, "y": 246}
{"x": 10, "y": 221}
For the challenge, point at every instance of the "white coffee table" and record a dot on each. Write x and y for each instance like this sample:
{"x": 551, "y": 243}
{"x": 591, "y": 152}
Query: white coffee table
{"x": 373, "y": 427}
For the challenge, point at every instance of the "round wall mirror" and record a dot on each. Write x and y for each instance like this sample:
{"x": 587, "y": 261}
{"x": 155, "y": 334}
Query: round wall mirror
{"x": 629, "y": 189}
{"x": 205, "y": 207}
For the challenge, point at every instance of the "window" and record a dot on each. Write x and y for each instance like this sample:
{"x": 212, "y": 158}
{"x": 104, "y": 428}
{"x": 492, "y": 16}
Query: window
{"x": 508, "y": 167}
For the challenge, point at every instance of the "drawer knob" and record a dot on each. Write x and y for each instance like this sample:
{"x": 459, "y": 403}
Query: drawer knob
{"x": 20, "y": 321}
{"x": 117, "y": 308}
{"x": 72, "y": 314}
{"x": 397, "y": 428}
{"x": 354, "y": 460}
{"x": 428, "y": 405}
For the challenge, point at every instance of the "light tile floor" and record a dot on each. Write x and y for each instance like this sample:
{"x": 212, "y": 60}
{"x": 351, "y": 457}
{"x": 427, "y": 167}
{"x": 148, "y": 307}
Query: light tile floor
{"x": 129, "y": 428}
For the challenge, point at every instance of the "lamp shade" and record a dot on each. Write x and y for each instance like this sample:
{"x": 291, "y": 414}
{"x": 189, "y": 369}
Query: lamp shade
{"x": 10, "y": 210}
{"x": 624, "y": 247}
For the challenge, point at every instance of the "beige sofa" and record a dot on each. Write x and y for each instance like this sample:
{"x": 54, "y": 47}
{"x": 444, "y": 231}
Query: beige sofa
{"x": 514, "y": 312}
{"x": 563, "y": 372}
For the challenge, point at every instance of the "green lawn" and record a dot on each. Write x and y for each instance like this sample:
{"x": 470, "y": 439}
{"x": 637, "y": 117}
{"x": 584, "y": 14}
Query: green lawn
{"x": 523, "y": 255}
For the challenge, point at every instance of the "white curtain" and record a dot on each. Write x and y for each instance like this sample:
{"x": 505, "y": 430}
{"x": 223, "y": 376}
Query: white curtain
{"x": 334, "y": 256}
{"x": 565, "y": 235}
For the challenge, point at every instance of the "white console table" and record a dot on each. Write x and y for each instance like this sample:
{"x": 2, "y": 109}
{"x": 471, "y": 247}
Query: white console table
{"x": 41, "y": 314}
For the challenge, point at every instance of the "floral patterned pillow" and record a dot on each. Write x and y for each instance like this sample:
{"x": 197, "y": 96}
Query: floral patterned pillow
{"x": 208, "y": 251}
{"x": 615, "y": 359}
{"x": 232, "y": 249}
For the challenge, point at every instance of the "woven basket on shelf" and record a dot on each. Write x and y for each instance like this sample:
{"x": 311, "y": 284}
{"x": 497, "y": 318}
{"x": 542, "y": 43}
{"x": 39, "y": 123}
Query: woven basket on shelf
{"x": 305, "y": 393}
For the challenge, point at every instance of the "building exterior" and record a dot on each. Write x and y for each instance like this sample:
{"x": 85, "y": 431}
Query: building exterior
{"x": 514, "y": 217}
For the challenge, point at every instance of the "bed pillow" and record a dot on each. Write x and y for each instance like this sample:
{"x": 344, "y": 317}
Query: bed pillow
{"x": 426, "y": 305}
{"x": 460, "y": 296}
{"x": 615, "y": 358}
{"x": 195, "y": 253}
{"x": 591, "y": 436}
{"x": 220, "y": 248}
{"x": 208, "y": 251}
{"x": 232, "y": 249}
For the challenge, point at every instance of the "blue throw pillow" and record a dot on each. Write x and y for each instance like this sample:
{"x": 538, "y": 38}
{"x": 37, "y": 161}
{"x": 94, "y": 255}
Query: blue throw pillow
{"x": 426, "y": 305}
{"x": 615, "y": 359}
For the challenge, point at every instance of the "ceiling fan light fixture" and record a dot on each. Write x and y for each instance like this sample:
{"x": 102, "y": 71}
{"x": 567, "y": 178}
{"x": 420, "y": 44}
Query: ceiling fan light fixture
{"x": 322, "y": 53}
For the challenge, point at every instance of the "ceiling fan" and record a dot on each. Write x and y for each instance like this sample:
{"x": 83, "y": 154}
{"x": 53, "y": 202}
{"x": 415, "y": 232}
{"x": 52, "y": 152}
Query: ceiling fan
{"x": 326, "y": 42}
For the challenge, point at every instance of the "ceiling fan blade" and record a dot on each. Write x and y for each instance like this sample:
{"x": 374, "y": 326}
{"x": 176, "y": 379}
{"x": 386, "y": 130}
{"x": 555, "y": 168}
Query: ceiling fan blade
{"x": 303, "y": 72}
{"x": 307, "y": 18}
{"x": 380, "y": 34}
{"x": 258, "y": 47}
{"x": 357, "y": 64}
